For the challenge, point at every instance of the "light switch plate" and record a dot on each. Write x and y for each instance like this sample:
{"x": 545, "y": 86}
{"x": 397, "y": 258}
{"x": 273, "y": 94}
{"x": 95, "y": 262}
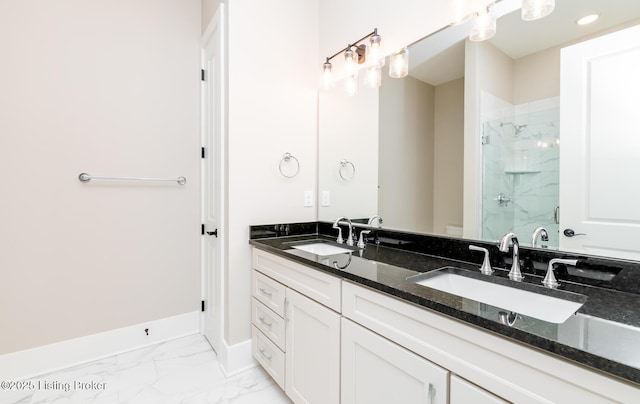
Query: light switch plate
{"x": 326, "y": 198}
{"x": 308, "y": 198}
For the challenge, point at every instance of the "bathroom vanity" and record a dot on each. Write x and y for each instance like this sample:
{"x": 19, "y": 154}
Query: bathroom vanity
{"x": 336, "y": 326}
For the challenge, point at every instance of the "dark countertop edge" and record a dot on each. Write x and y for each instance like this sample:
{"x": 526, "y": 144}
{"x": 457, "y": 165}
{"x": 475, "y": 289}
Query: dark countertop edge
{"x": 593, "y": 362}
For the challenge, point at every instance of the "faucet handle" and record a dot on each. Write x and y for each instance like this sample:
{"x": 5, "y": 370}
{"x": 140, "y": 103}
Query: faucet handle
{"x": 549, "y": 280}
{"x": 485, "y": 269}
{"x": 361, "y": 243}
{"x": 339, "y": 240}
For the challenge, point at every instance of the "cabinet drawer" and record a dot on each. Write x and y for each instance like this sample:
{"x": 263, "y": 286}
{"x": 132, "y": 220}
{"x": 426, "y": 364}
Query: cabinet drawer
{"x": 319, "y": 286}
{"x": 269, "y": 292}
{"x": 268, "y": 322}
{"x": 268, "y": 355}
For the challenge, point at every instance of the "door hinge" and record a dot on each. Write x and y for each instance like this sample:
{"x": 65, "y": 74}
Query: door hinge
{"x": 203, "y": 153}
{"x": 202, "y": 74}
{"x": 202, "y": 230}
{"x": 202, "y": 305}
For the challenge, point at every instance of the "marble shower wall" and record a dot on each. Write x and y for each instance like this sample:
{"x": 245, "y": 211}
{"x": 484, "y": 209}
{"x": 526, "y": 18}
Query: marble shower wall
{"x": 522, "y": 164}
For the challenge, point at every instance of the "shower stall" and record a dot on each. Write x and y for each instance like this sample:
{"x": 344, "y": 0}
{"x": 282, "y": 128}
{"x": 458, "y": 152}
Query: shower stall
{"x": 520, "y": 174}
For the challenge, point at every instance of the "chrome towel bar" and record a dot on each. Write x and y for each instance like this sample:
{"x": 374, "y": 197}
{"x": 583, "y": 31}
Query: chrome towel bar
{"x": 84, "y": 177}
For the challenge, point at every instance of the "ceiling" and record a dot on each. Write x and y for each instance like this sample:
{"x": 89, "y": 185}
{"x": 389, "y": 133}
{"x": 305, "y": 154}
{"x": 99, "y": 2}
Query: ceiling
{"x": 439, "y": 58}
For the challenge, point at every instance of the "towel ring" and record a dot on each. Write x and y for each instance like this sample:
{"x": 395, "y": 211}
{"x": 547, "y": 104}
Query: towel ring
{"x": 344, "y": 163}
{"x": 286, "y": 159}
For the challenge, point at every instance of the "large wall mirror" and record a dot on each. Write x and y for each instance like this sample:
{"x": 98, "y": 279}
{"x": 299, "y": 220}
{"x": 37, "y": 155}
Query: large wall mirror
{"x": 475, "y": 142}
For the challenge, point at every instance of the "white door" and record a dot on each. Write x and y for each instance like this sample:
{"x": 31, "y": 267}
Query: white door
{"x": 213, "y": 163}
{"x": 600, "y": 146}
{"x": 312, "y": 341}
{"x": 375, "y": 370}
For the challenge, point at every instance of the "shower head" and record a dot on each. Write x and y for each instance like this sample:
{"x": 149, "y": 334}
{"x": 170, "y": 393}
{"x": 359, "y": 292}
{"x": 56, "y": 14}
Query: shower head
{"x": 517, "y": 128}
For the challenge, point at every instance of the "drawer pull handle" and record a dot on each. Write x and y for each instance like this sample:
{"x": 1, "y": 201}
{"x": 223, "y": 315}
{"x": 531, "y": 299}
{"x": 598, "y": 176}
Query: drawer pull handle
{"x": 265, "y": 322}
{"x": 265, "y": 292}
{"x": 432, "y": 393}
{"x": 264, "y": 355}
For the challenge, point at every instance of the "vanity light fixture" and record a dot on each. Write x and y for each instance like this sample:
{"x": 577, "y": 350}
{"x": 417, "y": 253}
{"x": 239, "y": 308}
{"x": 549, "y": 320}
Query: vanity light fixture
{"x": 399, "y": 64}
{"x": 588, "y": 19}
{"x": 327, "y": 77}
{"x": 483, "y": 24}
{"x": 374, "y": 50}
{"x": 356, "y": 54}
{"x": 535, "y": 9}
{"x": 350, "y": 60}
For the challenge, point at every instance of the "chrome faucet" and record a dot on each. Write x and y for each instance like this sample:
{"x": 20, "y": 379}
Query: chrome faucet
{"x": 550, "y": 279}
{"x": 361, "y": 241}
{"x": 539, "y": 232}
{"x": 373, "y": 218}
{"x": 336, "y": 225}
{"x": 485, "y": 269}
{"x": 508, "y": 240}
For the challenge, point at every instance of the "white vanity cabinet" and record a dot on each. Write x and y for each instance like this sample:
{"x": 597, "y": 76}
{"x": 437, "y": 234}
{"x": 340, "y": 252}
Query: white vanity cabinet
{"x": 505, "y": 368}
{"x": 463, "y": 392}
{"x": 328, "y": 340}
{"x": 296, "y": 327}
{"x": 375, "y": 370}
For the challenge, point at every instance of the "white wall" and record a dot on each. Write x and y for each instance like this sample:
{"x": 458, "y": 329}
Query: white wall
{"x": 109, "y": 87}
{"x": 348, "y": 129}
{"x": 209, "y": 8}
{"x": 405, "y": 166}
{"x": 272, "y": 107}
{"x": 448, "y": 159}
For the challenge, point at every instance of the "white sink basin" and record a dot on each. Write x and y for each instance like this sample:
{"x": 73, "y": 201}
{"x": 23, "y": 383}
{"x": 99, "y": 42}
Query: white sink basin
{"x": 554, "y": 308}
{"x": 322, "y": 249}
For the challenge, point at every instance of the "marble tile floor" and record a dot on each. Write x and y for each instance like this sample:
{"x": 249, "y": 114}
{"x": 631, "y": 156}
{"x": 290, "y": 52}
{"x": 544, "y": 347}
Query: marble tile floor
{"x": 183, "y": 370}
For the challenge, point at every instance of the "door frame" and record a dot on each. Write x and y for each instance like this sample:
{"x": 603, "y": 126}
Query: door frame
{"x": 214, "y": 36}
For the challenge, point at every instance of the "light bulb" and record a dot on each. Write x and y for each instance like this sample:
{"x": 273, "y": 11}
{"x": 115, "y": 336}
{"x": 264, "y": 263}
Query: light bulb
{"x": 399, "y": 64}
{"x": 373, "y": 79}
{"x": 373, "y": 58}
{"x": 327, "y": 77}
{"x": 483, "y": 25}
{"x": 350, "y": 61}
{"x": 351, "y": 84}
{"x": 535, "y": 9}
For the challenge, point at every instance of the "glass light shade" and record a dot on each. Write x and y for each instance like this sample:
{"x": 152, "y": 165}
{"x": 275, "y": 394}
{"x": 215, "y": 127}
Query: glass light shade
{"x": 351, "y": 84}
{"x": 535, "y": 9}
{"x": 350, "y": 61}
{"x": 483, "y": 25}
{"x": 373, "y": 79}
{"x": 327, "y": 77}
{"x": 399, "y": 64}
{"x": 373, "y": 58}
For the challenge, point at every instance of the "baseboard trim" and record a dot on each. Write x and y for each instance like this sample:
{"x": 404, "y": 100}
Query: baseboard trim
{"x": 236, "y": 358}
{"x": 49, "y": 358}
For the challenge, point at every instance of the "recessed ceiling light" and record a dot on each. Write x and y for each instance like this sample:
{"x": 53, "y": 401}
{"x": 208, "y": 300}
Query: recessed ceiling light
{"x": 588, "y": 19}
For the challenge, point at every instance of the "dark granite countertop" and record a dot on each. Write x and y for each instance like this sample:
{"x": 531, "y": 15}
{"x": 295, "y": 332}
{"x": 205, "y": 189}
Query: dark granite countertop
{"x": 610, "y": 316}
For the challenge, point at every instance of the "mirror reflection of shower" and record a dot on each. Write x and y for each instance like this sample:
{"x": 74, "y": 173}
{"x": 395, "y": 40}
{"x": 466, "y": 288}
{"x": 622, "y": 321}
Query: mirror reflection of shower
{"x": 520, "y": 154}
